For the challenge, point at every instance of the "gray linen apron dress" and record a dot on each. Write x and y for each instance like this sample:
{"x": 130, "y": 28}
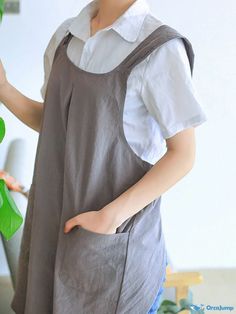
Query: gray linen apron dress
{"x": 83, "y": 162}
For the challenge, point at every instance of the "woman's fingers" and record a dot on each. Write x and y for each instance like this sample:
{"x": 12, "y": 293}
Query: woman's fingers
{"x": 71, "y": 223}
{"x": 10, "y": 181}
{"x": 94, "y": 221}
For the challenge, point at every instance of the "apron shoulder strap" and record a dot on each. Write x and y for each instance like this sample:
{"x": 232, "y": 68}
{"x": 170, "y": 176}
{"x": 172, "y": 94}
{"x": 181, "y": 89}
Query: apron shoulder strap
{"x": 63, "y": 43}
{"x": 156, "y": 39}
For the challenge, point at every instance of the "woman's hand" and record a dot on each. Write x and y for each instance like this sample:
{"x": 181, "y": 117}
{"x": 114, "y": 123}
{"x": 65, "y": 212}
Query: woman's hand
{"x": 96, "y": 221}
{"x": 11, "y": 182}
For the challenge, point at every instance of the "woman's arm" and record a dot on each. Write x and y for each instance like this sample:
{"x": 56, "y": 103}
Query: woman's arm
{"x": 27, "y": 110}
{"x": 175, "y": 164}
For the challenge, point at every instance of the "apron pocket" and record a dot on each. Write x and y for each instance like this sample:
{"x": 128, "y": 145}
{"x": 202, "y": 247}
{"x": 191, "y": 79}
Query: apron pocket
{"x": 94, "y": 262}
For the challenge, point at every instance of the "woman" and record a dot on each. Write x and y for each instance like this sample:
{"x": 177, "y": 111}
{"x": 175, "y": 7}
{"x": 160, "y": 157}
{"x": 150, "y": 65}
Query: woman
{"x": 117, "y": 87}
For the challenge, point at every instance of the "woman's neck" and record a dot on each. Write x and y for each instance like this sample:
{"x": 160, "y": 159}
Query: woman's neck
{"x": 108, "y": 11}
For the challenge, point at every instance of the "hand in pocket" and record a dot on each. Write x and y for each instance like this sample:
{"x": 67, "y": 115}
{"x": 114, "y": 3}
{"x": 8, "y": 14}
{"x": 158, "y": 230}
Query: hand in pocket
{"x": 95, "y": 221}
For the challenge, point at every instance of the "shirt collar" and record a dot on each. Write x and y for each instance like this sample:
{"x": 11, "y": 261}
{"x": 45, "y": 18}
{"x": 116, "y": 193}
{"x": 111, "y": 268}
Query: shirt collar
{"x": 128, "y": 25}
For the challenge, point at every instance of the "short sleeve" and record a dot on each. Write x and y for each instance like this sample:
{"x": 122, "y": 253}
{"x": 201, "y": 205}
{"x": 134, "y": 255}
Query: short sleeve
{"x": 168, "y": 90}
{"x": 50, "y": 51}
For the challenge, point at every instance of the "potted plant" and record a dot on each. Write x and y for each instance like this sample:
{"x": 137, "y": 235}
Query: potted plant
{"x": 170, "y": 307}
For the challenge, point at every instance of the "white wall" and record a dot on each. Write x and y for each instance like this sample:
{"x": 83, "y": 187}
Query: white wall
{"x": 199, "y": 212}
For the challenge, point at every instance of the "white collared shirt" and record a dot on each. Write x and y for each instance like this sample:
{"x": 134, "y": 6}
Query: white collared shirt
{"x": 161, "y": 99}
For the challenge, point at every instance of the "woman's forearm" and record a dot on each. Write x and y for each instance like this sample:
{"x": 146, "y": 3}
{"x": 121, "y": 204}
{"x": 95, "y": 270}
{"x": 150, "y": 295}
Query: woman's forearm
{"x": 164, "y": 174}
{"x": 27, "y": 110}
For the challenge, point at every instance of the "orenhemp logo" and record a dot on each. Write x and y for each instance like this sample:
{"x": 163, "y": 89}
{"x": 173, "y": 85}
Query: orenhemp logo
{"x": 208, "y": 307}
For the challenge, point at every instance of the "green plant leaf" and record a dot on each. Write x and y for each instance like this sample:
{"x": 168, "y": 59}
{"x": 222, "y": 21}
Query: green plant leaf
{"x": 168, "y": 302}
{"x": 2, "y": 129}
{"x": 184, "y": 303}
{"x": 1, "y": 9}
{"x": 170, "y": 308}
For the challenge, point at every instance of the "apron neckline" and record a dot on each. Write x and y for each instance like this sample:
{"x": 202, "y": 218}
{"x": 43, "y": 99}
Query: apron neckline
{"x": 120, "y": 67}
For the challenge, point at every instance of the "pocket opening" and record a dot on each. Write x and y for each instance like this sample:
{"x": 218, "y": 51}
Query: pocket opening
{"x": 98, "y": 234}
